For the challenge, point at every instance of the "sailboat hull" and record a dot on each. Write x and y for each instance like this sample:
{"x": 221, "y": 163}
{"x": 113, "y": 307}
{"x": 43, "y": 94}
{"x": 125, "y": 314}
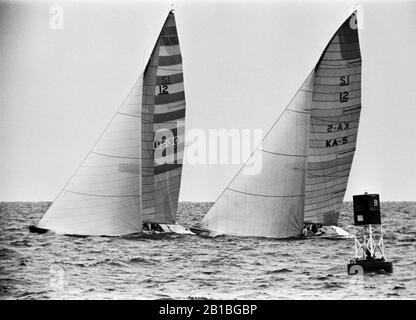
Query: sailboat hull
{"x": 327, "y": 232}
{"x": 211, "y": 233}
{"x": 150, "y": 228}
{"x": 201, "y": 232}
{"x": 330, "y": 232}
{"x": 155, "y": 228}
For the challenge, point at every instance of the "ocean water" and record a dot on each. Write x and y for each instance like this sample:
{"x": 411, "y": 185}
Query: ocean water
{"x": 49, "y": 266}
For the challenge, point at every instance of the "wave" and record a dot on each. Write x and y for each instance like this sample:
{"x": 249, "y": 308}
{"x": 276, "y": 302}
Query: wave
{"x": 283, "y": 270}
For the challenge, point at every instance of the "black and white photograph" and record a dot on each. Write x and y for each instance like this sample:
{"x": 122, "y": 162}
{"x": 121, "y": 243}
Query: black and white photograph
{"x": 179, "y": 150}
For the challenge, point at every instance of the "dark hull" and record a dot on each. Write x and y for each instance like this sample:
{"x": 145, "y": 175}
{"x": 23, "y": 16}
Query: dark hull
{"x": 199, "y": 231}
{"x": 148, "y": 228}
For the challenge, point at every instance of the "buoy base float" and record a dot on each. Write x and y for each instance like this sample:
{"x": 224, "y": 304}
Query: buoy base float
{"x": 365, "y": 266}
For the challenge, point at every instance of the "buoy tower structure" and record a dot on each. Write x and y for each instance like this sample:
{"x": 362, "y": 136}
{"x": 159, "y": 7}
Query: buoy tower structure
{"x": 368, "y": 236}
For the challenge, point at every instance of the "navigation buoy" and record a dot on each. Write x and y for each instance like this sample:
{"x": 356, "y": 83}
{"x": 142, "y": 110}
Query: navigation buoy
{"x": 369, "y": 245}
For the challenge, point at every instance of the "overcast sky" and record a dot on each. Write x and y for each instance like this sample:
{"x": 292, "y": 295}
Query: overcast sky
{"x": 243, "y": 62}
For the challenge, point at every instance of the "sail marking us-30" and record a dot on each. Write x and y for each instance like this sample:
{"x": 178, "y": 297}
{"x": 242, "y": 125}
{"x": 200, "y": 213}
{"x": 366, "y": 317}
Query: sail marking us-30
{"x": 306, "y": 156}
{"x": 163, "y": 128}
{"x": 132, "y": 175}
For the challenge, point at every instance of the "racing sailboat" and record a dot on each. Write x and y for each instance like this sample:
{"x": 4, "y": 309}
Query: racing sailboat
{"x": 129, "y": 181}
{"x": 306, "y": 156}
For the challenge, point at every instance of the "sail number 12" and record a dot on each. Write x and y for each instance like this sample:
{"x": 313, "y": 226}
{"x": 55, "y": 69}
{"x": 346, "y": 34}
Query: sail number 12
{"x": 163, "y": 89}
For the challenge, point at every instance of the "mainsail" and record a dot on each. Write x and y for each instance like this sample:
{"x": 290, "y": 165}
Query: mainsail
{"x": 132, "y": 175}
{"x": 163, "y": 128}
{"x": 306, "y": 156}
{"x": 336, "y": 107}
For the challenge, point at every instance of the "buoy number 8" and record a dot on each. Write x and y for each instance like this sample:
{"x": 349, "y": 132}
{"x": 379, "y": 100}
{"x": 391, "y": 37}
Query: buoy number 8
{"x": 375, "y": 202}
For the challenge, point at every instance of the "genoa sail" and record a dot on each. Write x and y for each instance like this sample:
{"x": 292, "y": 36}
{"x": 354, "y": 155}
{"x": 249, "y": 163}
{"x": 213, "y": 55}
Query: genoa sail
{"x": 270, "y": 203}
{"x": 306, "y": 156}
{"x": 335, "y": 115}
{"x": 132, "y": 174}
{"x": 104, "y": 195}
